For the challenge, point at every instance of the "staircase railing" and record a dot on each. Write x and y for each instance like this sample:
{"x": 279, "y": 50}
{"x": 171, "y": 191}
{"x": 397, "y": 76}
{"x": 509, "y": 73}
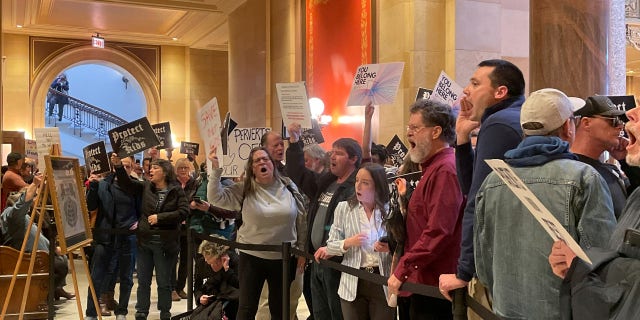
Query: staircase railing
{"x": 85, "y": 115}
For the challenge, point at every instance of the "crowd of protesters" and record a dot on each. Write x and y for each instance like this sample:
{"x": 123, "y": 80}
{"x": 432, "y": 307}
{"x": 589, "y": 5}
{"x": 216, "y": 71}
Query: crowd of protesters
{"x": 457, "y": 226}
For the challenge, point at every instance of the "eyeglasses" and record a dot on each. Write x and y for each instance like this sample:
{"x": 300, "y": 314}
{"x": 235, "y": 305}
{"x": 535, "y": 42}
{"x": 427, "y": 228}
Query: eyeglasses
{"x": 414, "y": 129}
{"x": 615, "y": 121}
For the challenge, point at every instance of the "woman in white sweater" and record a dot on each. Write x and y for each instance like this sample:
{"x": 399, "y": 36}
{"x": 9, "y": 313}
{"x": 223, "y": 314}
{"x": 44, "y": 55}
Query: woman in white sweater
{"x": 272, "y": 213}
{"x": 355, "y": 234}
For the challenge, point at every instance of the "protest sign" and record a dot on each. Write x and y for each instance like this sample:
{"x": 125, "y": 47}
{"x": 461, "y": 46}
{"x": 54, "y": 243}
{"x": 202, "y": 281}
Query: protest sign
{"x": 133, "y": 137}
{"x": 294, "y": 103}
{"x": 96, "y": 158}
{"x": 397, "y": 150}
{"x": 163, "y": 131}
{"x": 45, "y": 138}
{"x": 423, "y": 94}
{"x": 30, "y": 149}
{"x": 550, "y": 224}
{"x": 210, "y": 125}
{"x": 240, "y": 143}
{"x": 624, "y": 103}
{"x": 375, "y": 83}
{"x": 447, "y": 91}
{"x": 189, "y": 148}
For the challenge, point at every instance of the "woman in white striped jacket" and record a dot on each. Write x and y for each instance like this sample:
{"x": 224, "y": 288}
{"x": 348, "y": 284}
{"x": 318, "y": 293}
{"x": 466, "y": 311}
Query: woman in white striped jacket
{"x": 355, "y": 234}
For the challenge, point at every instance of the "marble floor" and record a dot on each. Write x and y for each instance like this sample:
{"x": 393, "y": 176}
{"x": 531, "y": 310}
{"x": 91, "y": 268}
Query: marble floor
{"x": 68, "y": 309}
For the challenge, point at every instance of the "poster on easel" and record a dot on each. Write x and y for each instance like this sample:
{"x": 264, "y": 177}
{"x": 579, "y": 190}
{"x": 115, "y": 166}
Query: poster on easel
{"x": 67, "y": 199}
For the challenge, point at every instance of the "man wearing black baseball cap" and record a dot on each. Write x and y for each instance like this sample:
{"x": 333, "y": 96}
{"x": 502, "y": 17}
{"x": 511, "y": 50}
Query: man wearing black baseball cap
{"x": 12, "y": 180}
{"x": 598, "y": 129}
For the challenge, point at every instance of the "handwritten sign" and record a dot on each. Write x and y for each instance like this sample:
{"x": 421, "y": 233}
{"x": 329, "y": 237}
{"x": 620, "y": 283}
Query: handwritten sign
{"x": 96, "y": 158}
{"x": 397, "y": 150}
{"x": 423, "y": 94}
{"x": 550, "y": 224}
{"x": 133, "y": 137}
{"x": 375, "y": 83}
{"x": 209, "y": 124}
{"x": 30, "y": 149}
{"x": 45, "y": 138}
{"x": 163, "y": 131}
{"x": 294, "y": 103}
{"x": 447, "y": 91}
{"x": 240, "y": 143}
{"x": 189, "y": 148}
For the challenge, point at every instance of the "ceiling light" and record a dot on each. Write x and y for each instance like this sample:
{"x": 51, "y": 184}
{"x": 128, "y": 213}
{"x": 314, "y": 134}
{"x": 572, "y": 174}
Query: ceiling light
{"x": 174, "y": 39}
{"x": 18, "y": 26}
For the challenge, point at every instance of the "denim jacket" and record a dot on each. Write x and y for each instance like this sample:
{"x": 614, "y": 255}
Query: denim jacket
{"x": 512, "y": 248}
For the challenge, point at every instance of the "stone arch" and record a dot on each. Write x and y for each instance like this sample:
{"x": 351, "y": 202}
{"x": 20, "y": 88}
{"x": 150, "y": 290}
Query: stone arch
{"x": 86, "y": 54}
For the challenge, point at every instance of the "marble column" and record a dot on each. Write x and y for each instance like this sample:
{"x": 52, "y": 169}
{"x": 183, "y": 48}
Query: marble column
{"x": 569, "y": 46}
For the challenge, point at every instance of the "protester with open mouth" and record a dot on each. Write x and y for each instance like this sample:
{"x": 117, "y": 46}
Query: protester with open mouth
{"x": 272, "y": 213}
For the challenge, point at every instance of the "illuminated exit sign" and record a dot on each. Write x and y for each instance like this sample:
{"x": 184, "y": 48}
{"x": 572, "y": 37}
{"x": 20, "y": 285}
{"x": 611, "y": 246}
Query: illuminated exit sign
{"x": 97, "y": 42}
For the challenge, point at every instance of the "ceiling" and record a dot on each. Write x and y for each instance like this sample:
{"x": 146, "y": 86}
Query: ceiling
{"x": 200, "y": 24}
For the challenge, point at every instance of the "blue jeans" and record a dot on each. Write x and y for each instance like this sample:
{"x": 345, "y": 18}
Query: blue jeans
{"x": 121, "y": 264}
{"x": 324, "y": 290}
{"x": 99, "y": 266}
{"x": 153, "y": 253}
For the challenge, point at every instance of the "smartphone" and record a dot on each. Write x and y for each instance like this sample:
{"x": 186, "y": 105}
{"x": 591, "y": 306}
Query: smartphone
{"x": 632, "y": 237}
{"x": 197, "y": 199}
{"x": 384, "y": 239}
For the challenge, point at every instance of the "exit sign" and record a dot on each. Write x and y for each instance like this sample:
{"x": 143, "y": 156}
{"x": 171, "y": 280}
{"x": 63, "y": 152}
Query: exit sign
{"x": 97, "y": 42}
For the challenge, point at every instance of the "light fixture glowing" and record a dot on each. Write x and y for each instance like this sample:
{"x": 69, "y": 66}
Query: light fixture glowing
{"x": 317, "y": 107}
{"x": 174, "y": 39}
{"x": 18, "y": 26}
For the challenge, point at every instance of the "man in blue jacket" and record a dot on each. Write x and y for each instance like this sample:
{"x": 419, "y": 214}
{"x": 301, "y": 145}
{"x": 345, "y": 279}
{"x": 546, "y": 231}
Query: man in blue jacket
{"x": 492, "y": 102}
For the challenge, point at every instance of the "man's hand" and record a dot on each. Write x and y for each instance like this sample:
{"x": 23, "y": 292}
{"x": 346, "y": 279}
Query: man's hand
{"x": 620, "y": 151}
{"x": 560, "y": 258}
{"x": 204, "y": 299}
{"x": 295, "y": 131}
{"x": 393, "y": 284}
{"x": 401, "y": 184}
{"x": 301, "y": 263}
{"x": 448, "y": 283}
{"x": 464, "y": 125}
{"x": 322, "y": 254}
{"x": 37, "y": 179}
{"x": 153, "y": 219}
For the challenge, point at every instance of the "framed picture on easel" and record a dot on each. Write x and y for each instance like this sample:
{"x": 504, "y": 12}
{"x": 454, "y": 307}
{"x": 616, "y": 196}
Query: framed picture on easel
{"x": 69, "y": 205}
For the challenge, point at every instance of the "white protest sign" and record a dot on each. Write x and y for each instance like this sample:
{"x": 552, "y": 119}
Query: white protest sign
{"x": 239, "y": 145}
{"x": 550, "y": 224}
{"x": 375, "y": 83}
{"x": 209, "y": 124}
{"x": 294, "y": 103}
{"x": 45, "y": 138}
{"x": 30, "y": 149}
{"x": 447, "y": 91}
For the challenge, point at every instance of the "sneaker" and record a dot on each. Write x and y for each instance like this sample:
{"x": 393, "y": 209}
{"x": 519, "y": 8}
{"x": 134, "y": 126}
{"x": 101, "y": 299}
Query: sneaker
{"x": 175, "y": 296}
{"x": 182, "y": 294}
{"x": 121, "y": 317}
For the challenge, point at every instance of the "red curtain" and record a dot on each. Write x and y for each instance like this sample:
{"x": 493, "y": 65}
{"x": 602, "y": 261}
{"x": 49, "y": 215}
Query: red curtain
{"x": 338, "y": 40}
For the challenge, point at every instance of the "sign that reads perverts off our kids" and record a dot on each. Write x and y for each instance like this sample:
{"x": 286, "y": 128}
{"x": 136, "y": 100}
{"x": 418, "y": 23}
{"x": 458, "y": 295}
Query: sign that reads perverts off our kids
{"x": 163, "y": 131}
{"x": 133, "y": 137}
{"x": 96, "y": 158}
{"x": 189, "y": 148}
{"x": 239, "y": 145}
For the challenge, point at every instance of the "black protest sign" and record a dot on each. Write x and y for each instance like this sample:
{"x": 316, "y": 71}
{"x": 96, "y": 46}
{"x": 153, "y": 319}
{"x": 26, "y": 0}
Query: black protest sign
{"x": 397, "y": 150}
{"x": 624, "y": 103}
{"x": 96, "y": 158}
{"x": 133, "y": 137}
{"x": 313, "y": 135}
{"x": 423, "y": 94}
{"x": 189, "y": 148}
{"x": 163, "y": 131}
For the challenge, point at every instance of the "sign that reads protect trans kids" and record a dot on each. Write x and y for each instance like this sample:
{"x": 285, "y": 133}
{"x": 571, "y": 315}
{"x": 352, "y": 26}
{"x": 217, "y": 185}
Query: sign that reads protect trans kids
{"x": 133, "y": 137}
{"x": 163, "y": 131}
{"x": 239, "y": 145}
{"x": 189, "y": 148}
{"x": 96, "y": 158}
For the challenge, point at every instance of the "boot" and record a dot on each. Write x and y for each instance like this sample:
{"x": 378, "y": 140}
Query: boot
{"x": 104, "y": 311}
{"x": 112, "y": 304}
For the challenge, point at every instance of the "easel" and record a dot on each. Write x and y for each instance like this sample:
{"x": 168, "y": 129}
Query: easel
{"x": 39, "y": 207}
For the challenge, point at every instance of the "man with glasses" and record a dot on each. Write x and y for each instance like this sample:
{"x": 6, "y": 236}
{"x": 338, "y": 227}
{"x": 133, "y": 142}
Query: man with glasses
{"x": 599, "y": 129}
{"x": 434, "y": 212}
